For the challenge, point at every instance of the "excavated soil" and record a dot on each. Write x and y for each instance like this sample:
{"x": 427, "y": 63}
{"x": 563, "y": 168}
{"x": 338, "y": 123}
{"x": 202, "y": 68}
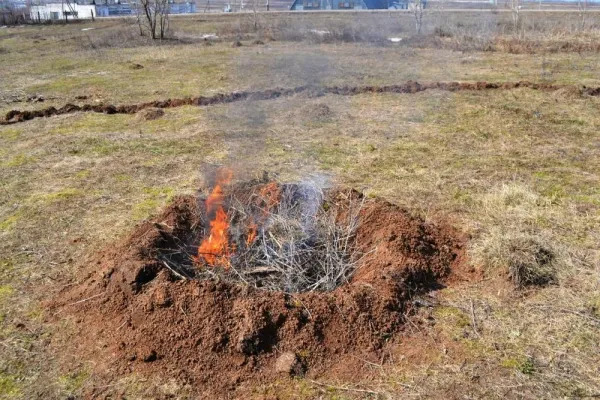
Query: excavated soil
{"x": 134, "y": 315}
{"x": 15, "y": 116}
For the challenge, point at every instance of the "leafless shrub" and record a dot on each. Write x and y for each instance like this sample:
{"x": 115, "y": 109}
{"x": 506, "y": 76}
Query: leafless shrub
{"x": 442, "y": 32}
{"x": 417, "y": 8}
{"x": 515, "y": 11}
{"x": 582, "y": 7}
{"x": 11, "y": 15}
{"x": 153, "y": 17}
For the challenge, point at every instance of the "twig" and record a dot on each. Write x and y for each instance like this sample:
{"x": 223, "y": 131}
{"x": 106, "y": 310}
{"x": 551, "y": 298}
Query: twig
{"x": 473, "y": 320}
{"x": 345, "y": 388}
{"x": 568, "y": 311}
{"x": 123, "y": 324}
{"x": 177, "y": 274}
{"x": 84, "y": 300}
{"x": 367, "y": 361}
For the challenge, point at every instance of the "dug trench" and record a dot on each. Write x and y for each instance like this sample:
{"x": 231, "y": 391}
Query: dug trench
{"x": 147, "y": 305}
{"x": 15, "y": 116}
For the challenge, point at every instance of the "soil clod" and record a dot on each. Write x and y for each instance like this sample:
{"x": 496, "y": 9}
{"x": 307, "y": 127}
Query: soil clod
{"x": 151, "y": 114}
{"x": 289, "y": 364}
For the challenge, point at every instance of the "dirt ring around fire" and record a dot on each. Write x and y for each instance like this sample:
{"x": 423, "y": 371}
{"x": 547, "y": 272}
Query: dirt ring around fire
{"x": 135, "y": 315}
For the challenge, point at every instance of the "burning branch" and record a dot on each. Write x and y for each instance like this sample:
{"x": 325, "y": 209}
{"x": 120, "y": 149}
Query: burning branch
{"x": 215, "y": 249}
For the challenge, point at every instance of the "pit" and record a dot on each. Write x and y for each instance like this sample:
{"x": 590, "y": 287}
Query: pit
{"x": 259, "y": 280}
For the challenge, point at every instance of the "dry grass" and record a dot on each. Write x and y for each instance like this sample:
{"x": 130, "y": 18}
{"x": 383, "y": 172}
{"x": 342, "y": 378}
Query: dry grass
{"x": 518, "y": 170}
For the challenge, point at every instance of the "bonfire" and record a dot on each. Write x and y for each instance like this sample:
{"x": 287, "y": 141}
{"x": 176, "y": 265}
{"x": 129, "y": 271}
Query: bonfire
{"x": 260, "y": 278}
{"x": 280, "y": 237}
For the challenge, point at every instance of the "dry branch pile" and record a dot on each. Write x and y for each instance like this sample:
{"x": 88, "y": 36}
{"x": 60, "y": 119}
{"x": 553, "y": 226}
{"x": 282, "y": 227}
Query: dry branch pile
{"x": 287, "y": 238}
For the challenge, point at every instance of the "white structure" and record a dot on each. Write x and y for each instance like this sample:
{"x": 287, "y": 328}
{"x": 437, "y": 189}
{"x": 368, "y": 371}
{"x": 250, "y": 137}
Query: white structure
{"x": 111, "y": 8}
{"x": 60, "y": 11}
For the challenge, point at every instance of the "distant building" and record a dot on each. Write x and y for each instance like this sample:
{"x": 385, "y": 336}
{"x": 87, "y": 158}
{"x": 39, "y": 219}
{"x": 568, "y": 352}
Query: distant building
{"x": 89, "y": 9}
{"x": 329, "y": 5}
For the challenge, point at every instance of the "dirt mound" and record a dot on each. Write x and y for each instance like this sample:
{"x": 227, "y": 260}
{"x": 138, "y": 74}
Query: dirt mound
{"x": 136, "y": 315}
{"x": 15, "y": 116}
{"x": 151, "y": 114}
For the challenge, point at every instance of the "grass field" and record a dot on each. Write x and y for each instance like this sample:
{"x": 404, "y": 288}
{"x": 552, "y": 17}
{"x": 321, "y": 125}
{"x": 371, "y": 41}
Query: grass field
{"x": 518, "y": 170}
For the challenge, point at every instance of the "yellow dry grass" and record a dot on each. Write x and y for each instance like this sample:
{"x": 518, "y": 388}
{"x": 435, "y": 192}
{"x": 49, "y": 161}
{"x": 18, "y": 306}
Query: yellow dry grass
{"x": 517, "y": 170}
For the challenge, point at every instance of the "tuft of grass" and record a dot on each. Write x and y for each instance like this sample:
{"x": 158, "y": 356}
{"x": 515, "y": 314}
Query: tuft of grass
{"x": 524, "y": 365}
{"x": 530, "y": 259}
{"x": 515, "y": 240}
{"x": 73, "y": 382}
{"x": 83, "y": 174}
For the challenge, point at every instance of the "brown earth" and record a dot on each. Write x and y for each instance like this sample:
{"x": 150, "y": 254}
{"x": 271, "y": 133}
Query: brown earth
{"x": 134, "y": 315}
{"x": 151, "y": 114}
{"x": 15, "y": 116}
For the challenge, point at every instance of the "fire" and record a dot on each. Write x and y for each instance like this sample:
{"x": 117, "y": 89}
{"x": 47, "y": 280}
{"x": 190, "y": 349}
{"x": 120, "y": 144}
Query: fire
{"x": 215, "y": 249}
{"x": 251, "y": 232}
{"x": 270, "y": 195}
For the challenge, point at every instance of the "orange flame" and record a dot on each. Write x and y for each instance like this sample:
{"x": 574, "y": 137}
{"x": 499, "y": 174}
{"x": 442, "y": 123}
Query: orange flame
{"x": 271, "y": 195}
{"x": 215, "y": 249}
{"x": 251, "y": 232}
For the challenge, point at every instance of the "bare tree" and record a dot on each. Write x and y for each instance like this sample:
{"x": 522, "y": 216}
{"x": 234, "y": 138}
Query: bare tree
{"x": 582, "y": 6}
{"x": 515, "y": 9}
{"x": 153, "y": 17}
{"x": 12, "y": 15}
{"x": 255, "y": 5}
{"x": 417, "y": 7}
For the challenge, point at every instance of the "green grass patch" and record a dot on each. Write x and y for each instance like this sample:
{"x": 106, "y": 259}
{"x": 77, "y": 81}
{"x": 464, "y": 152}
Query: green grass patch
{"x": 91, "y": 122}
{"x": 155, "y": 197}
{"x": 73, "y": 382}
{"x": 17, "y": 161}
{"x": 10, "y": 133}
{"x": 64, "y": 194}
{"x": 9, "y": 389}
{"x": 9, "y": 222}
{"x": 83, "y": 174}
{"x": 452, "y": 316}
{"x": 524, "y": 365}
{"x": 5, "y": 292}
{"x": 6, "y": 266}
